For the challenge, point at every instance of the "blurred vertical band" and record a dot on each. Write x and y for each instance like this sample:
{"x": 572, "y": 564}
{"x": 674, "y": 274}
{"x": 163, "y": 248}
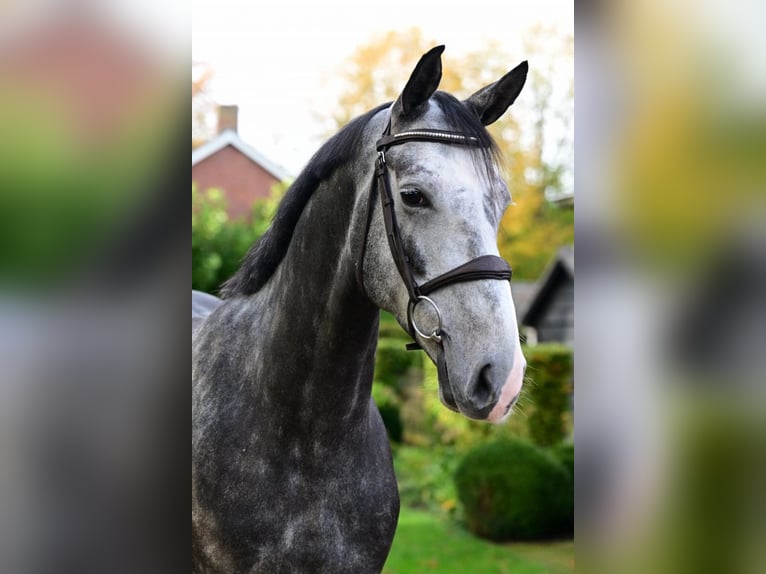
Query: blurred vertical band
{"x": 94, "y": 268}
{"x": 671, "y": 295}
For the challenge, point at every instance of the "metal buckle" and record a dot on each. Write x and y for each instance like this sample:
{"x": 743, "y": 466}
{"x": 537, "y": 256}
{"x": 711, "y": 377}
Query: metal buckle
{"x": 436, "y": 333}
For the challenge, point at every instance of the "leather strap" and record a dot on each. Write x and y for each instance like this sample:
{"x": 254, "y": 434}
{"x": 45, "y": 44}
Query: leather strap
{"x": 483, "y": 267}
{"x": 401, "y": 259}
{"x": 439, "y": 136}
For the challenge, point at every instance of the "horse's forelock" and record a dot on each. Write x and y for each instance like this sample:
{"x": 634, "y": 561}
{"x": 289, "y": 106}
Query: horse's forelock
{"x": 461, "y": 119}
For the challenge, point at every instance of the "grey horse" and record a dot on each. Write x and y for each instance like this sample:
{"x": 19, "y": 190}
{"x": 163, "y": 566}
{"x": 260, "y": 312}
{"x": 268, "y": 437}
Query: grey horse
{"x": 291, "y": 466}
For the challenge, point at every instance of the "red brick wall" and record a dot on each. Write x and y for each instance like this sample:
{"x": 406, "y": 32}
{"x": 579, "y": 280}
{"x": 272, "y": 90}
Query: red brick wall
{"x": 241, "y": 179}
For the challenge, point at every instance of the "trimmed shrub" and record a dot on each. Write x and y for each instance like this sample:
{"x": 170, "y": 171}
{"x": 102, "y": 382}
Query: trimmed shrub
{"x": 513, "y": 490}
{"x": 550, "y": 370}
{"x": 564, "y": 453}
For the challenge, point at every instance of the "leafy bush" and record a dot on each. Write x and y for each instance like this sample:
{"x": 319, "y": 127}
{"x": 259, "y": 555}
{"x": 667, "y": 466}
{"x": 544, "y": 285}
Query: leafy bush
{"x": 394, "y": 364}
{"x": 218, "y": 243}
{"x": 564, "y": 453}
{"x": 424, "y": 476}
{"x": 513, "y": 490}
{"x": 549, "y": 371}
{"x": 397, "y": 372}
{"x": 389, "y": 405}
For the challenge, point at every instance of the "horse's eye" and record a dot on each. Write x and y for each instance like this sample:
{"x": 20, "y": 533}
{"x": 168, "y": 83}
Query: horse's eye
{"x": 414, "y": 198}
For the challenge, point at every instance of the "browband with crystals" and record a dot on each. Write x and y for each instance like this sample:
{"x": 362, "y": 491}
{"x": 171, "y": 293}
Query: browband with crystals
{"x": 427, "y": 136}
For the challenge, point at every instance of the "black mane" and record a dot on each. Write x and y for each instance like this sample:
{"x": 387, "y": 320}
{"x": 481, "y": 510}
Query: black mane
{"x": 263, "y": 258}
{"x": 266, "y": 254}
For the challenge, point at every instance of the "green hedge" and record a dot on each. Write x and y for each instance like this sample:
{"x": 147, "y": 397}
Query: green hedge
{"x": 513, "y": 490}
{"x": 564, "y": 453}
{"x": 549, "y": 388}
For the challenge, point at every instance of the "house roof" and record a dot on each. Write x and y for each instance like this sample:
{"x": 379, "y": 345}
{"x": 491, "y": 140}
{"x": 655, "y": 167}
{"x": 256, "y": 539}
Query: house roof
{"x": 561, "y": 266}
{"x": 564, "y": 201}
{"x": 565, "y": 256}
{"x": 523, "y": 294}
{"x": 231, "y": 138}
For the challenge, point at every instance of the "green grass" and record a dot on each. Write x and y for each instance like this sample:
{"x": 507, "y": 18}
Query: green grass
{"x": 557, "y": 557}
{"x": 426, "y": 543}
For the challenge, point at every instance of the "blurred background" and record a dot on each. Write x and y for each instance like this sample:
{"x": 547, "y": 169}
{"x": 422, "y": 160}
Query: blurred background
{"x": 93, "y": 285}
{"x": 671, "y": 299}
{"x": 670, "y": 305}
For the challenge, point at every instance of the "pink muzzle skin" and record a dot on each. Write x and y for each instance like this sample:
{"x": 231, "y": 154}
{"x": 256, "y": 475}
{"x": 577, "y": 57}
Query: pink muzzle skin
{"x": 511, "y": 389}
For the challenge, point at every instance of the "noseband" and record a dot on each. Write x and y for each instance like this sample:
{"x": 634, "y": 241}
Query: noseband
{"x": 480, "y": 268}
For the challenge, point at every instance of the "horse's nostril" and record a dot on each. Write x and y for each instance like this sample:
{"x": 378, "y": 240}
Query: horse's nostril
{"x": 482, "y": 393}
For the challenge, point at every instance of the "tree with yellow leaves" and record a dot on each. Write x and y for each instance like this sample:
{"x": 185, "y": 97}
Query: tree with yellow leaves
{"x": 203, "y": 107}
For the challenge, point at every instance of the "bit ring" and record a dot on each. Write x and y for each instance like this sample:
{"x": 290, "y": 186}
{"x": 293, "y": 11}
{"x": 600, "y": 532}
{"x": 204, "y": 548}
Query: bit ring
{"x": 436, "y": 333}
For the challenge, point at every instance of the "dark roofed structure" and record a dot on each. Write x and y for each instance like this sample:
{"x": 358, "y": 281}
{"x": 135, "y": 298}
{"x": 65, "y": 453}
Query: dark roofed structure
{"x": 523, "y": 294}
{"x": 549, "y": 315}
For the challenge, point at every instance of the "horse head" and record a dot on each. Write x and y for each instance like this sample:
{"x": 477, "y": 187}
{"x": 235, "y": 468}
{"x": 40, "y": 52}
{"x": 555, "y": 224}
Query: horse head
{"x": 446, "y": 198}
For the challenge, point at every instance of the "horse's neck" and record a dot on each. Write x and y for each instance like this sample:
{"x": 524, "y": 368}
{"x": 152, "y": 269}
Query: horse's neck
{"x": 315, "y": 354}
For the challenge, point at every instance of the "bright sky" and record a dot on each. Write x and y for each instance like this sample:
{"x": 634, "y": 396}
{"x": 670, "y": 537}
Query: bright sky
{"x": 274, "y": 58}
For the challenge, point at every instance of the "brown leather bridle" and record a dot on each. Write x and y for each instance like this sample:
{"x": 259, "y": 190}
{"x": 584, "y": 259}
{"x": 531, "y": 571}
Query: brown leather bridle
{"x": 480, "y": 268}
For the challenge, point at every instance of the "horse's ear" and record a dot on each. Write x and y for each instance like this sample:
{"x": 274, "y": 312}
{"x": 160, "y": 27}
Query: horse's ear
{"x": 491, "y": 101}
{"x": 422, "y": 84}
